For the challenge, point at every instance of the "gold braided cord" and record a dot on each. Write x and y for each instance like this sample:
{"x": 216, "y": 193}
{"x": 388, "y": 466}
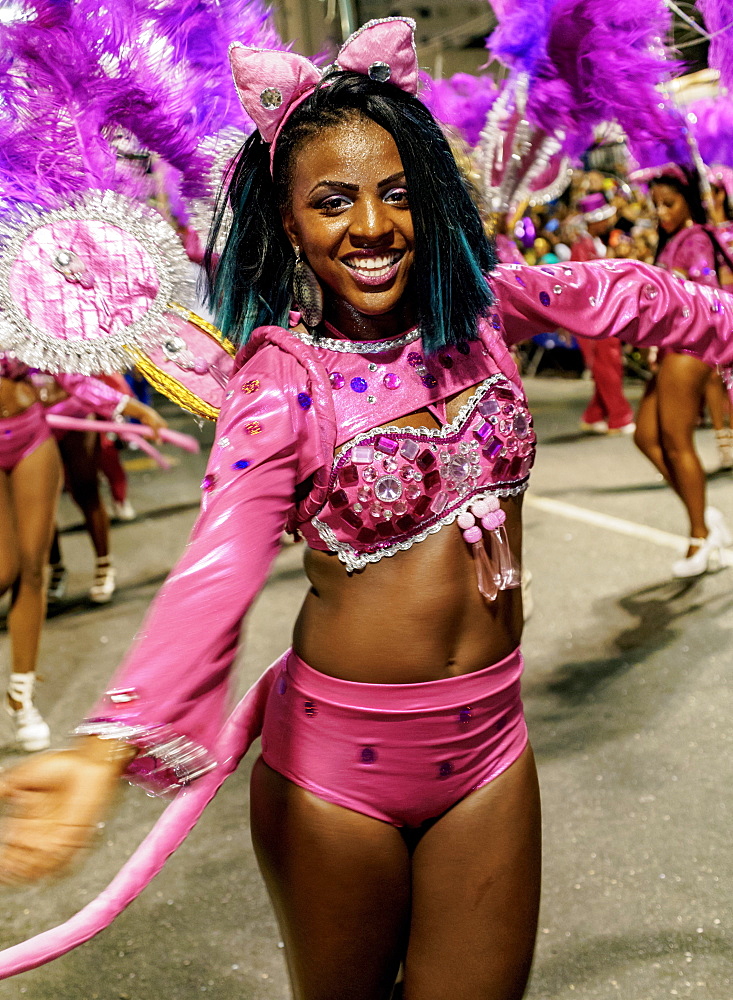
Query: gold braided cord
{"x": 171, "y": 387}
{"x": 208, "y": 328}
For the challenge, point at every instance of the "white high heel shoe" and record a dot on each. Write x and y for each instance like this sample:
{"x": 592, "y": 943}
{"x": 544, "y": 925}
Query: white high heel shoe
{"x": 709, "y": 556}
{"x": 31, "y": 732}
{"x": 715, "y": 523}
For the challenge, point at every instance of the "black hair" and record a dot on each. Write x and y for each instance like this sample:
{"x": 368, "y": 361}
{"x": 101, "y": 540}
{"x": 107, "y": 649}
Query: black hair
{"x": 690, "y": 191}
{"x": 250, "y": 285}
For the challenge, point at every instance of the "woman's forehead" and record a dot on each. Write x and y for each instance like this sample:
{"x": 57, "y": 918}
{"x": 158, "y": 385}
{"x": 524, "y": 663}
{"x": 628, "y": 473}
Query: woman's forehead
{"x": 355, "y": 148}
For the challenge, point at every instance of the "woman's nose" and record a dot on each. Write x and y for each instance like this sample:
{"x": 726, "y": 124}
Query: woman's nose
{"x": 371, "y": 221}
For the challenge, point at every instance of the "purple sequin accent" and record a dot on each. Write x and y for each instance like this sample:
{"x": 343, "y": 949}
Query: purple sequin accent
{"x": 358, "y": 384}
{"x": 429, "y": 381}
{"x": 304, "y": 400}
{"x": 337, "y": 380}
{"x": 241, "y": 464}
{"x": 208, "y": 482}
{"x": 488, "y": 407}
{"x": 493, "y": 447}
{"x": 445, "y": 769}
{"x": 386, "y": 445}
{"x": 464, "y": 715}
{"x": 483, "y": 431}
{"x": 310, "y": 709}
{"x": 445, "y": 360}
{"x": 368, "y": 755}
{"x": 414, "y": 359}
{"x": 495, "y": 322}
{"x": 282, "y": 684}
{"x": 392, "y": 381}
{"x": 520, "y": 280}
{"x": 545, "y": 298}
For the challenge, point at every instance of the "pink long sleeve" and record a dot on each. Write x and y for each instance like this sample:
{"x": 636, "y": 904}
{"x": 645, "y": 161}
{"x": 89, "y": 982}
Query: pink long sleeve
{"x": 639, "y": 303}
{"x": 94, "y": 395}
{"x": 169, "y": 696}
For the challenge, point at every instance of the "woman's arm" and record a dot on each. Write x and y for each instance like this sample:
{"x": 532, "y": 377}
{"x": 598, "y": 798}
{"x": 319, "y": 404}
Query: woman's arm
{"x": 168, "y": 698}
{"x": 639, "y": 303}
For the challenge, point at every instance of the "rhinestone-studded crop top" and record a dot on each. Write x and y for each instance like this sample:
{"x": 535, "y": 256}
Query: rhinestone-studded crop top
{"x": 393, "y": 486}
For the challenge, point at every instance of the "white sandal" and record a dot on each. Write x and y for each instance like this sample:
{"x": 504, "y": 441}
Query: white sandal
{"x": 709, "y": 556}
{"x": 104, "y": 584}
{"x": 31, "y": 732}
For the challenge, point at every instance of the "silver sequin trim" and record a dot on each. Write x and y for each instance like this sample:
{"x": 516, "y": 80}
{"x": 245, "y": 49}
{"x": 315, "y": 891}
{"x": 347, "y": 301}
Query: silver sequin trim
{"x": 359, "y": 346}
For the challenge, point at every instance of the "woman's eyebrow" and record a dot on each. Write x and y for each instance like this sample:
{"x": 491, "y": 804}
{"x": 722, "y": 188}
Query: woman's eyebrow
{"x": 338, "y": 184}
{"x": 392, "y": 178}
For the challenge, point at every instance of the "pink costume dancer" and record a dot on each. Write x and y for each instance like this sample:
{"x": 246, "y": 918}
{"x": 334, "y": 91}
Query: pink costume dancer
{"x": 23, "y": 431}
{"x": 312, "y": 437}
{"x": 287, "y": 405}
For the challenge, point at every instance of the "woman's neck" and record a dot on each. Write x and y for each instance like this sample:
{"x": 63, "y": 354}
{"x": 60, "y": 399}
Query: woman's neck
{"x": 358, "y": 326}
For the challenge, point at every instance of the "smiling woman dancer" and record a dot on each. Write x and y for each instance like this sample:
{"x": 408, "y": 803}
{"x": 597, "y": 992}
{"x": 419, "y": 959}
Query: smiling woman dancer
{"x": 395, "y": 807}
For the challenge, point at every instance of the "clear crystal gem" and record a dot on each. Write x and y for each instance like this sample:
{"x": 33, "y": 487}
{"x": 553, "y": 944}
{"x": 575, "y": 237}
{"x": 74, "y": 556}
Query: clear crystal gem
{"x": 271, "y": 98}
{"x": 388, "y": 489}
{"x": 380, "y": 71}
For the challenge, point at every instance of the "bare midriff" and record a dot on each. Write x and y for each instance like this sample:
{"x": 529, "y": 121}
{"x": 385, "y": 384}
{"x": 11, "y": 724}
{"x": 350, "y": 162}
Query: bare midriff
{"x": 16, "y": 396}
{"x": 415, "y": 616}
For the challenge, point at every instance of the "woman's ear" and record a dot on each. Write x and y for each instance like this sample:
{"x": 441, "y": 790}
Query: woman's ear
{"x": 291, "y": 230}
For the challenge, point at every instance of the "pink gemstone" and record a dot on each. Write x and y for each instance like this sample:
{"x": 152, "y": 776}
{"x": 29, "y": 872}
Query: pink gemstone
{"x": 407, "y": 474}
{"x": 439, "y": 502}
{"x": 400, "y": 507}
{"x": 390, "y": 464}
{"x": 208, "y": 482}
{"x": 413, "y": 491}
{"x": 364, "y": 494}
{"x": 392, "y": 381}
{"x": 387, "y": 445}
{"x": 337, "y": 380}
{"x": 410, "y": 450}
{"x": 362, "y": 454}
{"x": 369, "y": 474}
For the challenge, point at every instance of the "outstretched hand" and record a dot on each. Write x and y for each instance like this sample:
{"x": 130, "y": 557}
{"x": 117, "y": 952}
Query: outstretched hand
{"x": 53, "y": 804}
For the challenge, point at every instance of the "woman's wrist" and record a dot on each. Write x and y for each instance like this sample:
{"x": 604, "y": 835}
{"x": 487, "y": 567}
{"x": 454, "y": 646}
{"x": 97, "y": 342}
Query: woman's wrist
{"x": 117, "y": 754}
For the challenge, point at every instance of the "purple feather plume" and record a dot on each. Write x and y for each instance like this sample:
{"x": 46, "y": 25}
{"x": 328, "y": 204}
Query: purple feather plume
{"x": 463, "y": 101}
{"x": 718, "y": 16}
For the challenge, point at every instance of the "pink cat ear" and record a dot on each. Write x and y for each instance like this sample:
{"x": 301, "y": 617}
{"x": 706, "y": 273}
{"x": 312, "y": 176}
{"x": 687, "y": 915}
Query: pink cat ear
{"x": 269, "y": 83}
{"x": 384, "y": 50}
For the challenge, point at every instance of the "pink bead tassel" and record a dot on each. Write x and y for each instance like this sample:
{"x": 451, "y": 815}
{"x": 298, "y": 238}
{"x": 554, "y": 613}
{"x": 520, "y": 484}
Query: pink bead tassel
{"x": 503, "y": 557}
{"x": 486, "y": 575}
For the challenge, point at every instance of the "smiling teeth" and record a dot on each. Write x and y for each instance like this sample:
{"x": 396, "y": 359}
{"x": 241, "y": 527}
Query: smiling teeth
{"x": 373, "y": 265}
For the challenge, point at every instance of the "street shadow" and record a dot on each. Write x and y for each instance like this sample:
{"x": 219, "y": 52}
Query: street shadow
{"x": 585, "y": 702}
{"x": 149, "y": 515}
{"x": 592, "y": 960}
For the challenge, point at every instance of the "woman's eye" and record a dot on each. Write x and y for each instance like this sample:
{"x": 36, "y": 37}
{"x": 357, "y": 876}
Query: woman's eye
{"x": 396, "y": 196}
{"x": 334, "y": 203}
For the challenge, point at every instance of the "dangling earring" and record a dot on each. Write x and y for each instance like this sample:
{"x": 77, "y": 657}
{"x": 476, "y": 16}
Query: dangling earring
{"x": 307, "y": 291}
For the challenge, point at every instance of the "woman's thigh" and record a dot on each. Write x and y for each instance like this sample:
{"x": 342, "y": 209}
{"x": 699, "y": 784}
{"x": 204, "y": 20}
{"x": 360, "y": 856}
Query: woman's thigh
{"x": 340, "y": 885}
{"x": 681, "y": 386}
{"x": 9, "y": 554}
{"x": 475, "y": 893}
{"x": 35, "y": 483}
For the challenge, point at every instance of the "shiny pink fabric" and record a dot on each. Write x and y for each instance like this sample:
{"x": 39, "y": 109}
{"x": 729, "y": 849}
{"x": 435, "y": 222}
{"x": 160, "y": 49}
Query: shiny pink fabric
{"x": 21, "y": 435}
{"x": 401, "y": 753}
{"x": 690, "y": 252}
{"x": 123, "y": 275}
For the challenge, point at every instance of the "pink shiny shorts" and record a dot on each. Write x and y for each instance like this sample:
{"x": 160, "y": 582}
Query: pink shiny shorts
{"x": 402, "y": 753}
{"x": 21, "y": 435}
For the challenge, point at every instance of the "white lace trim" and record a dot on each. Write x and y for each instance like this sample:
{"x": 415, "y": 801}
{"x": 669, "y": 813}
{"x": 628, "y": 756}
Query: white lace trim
{"x": 354, "y": 560}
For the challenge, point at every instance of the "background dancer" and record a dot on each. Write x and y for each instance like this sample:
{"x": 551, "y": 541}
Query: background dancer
{"x": 670, "y": 409}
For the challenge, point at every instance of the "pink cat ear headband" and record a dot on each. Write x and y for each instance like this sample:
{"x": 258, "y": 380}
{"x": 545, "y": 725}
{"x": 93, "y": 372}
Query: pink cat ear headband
{"x": 271, "y": 84}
